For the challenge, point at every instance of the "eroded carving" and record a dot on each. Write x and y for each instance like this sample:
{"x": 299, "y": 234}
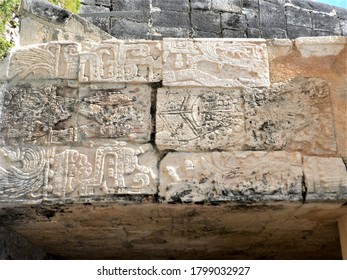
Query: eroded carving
{"x": 294, "y": 116}
{"x": 215, "y": 62}
{"x": 46, "y": 61}
{"x": 199, "y": 119}
{"x": 228, "y": 176}
{"x": 118, "y": 61}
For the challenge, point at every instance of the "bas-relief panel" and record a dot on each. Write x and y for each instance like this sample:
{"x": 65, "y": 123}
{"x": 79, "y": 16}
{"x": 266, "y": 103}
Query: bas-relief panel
{"x": 199, "y": 119}
{"x": 32, "y": 173}
{"x": 63, "y": 115}
{"x": 228, "y": 176}
{"x": 118, "y": 61}
{"x": 215, "y": 63}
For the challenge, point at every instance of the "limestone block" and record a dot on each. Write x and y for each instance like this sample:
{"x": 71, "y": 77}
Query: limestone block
{"x": 123, "y": 114}
{"x": 324, "y": 176}
{"x": 122, "y": 61}
{"x": 199, "y": 119}
{"x": 215, "y": 62}
{"x": 230, "y": 176}
{"x": 45, "y": 61}
{"x": 292, "y": 116}
{"x": 62, "y": 115}
{"x": 279, "y": 47}
{"x": 35, "y": 173}
{"x": 320, "y": 46}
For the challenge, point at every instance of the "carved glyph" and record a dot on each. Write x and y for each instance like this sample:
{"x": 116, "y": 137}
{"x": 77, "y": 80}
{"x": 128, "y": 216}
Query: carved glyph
{"x": 325, "y": 175}
{"x": 46, "y": 61}
{"x": 215, "y": 62}
{"x": 59, "y": 172}
{"x": 294, "y": 116}
{"x": 229, "y": 176}
{"x": 199, "y": 119}
{"x": 120, "y": 61}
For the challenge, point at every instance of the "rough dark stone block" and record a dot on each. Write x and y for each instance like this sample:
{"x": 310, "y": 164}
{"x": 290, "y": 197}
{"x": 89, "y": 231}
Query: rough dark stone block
{"x": 298, "y": 17}
{"x": 343, "y": 25}
{"x": 252, "y": 18}
{"x": 316, "y": 33}
{"x": 202, "y": 34}
{"x": 171, "y": 19}
{"x": 272, "y": 15}
{"x": 106, "y": 3}
{"x": 271, "y": 33}
{"x": 298, "y": 31}
{"x": 227, "y": 5}
{"x": 205, "y": 21}
{"x": 234, "y": 21}
{"x": 171, "y": 32}
{"x": 93, "y": 9}
{"x": 311, "y": 5}
{"x": 172, "y": 5}
{"x": 129, "y": 5}
{"x": 251, "y": 4}
{"x": 200, "y": 4}
{"x": 278, "y": 2}
{"x": 101, "y": 22}
{"x": 253, "y": 33}
{"x": 341, "y": 13}
{"x": 228, "y": 33}
{"x": 326, "y": 22}
{"x": 127, "y": 29}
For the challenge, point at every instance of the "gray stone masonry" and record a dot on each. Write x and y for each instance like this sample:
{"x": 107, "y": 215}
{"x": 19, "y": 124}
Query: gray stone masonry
{"x": 156, "y": 19}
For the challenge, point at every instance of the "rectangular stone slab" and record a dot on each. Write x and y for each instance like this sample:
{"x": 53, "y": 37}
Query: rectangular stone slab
{"x": 33, "y": 173}
{"x": 137, "y": 61}
{"x": 199, "y": 119}
{"x": 325, "y": 178}
{"x": 215, "y": 62}
{"x": 292, "y": 116}
{"x": 230, "y": 176}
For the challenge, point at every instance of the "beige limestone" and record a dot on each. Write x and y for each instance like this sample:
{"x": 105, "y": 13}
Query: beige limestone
{"x": 228, "y": 176}
{"x": 343, "y": 236}
{"x": 33, "y": 173}
{"x": 293, "y": 116}
{"x": 320, "y": 46}
{"x": 325, "y": 176}
{"x": 137, "y": 61}
{"x": 279, "y": 47}
{"x": 45, "y": 61}
{"x": 215, "y": 62}
{"x": 199, "y": 119}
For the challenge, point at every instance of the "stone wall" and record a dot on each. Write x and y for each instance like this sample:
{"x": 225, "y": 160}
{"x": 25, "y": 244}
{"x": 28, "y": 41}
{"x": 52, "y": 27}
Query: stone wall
{"x": 155, "y": 19}
{"x": 177, "y": 120}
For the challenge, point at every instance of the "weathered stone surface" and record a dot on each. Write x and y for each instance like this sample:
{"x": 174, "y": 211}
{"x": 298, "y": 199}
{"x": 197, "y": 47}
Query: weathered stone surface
{"x": 252, "y": 18}
{"x": 298, "y": 17}
{"x": 279, "y": 47}
{"x": 227, "y": 5}
{"x": 45, "y": 61}
{"x": 320, "y": 46}
{"x": 36, "y": 173}
{"x": 101, "y": 22}
{"x": 201, "y": 4}
{"x": 253, "y": 33}
{"x": 294, "y": 116}
{"x": 326, "y": 22}
{"x": 229, "y": 33}
{"x": 123, "y": 114}
{"x": 206, "y": 21}
{"x": 233, "y": 21}
{"x": 172, "y": 5}
{"x": 133, "y": 29}
{"x": 170, "y": 19}
{"x": 298, "y": 31}
{"x": 272, "y": 15}
{"x": 274, "y": 33}
{"x": 325, "y": 178}
{"x": 121, "y": 61}
{"x": 226, "y": 176}
{"x": 199, "y": 119}
{"x": 215, "y": 62}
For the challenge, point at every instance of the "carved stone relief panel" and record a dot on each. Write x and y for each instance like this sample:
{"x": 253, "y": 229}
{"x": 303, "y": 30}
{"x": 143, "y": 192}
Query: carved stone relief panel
{"x": 32, "y": 114}
{"x": 325, "y": 177}
{"x": 215, "y": 62}
{"x": 122, "y": 61}
{"x": 230, "y": 176}
{"x": 120, "y": 113}
{"x": 293, "y": 116}
{"x": 199, "y": 119}
{"x": 46, "y": 61}
{"x": 32, "y": 173}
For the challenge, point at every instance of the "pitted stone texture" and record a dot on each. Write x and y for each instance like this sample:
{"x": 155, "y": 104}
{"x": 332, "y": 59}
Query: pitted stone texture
{"x": 325, "y": 178}
{"x": 279, "y": 47}
{"x": 45, "y": 61}
{"x": 293, "y": 116}
{"x": 227, "y": 5}
{"x": 199, "y": 119}
{"x": 31, "y": 174}
{"x": 122, "y": 114}
{"x": 320, "y": 46}
{"x": 122, "y": 61}
{"x": 215, "y": 62}
{"x": 226, "y": 176}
